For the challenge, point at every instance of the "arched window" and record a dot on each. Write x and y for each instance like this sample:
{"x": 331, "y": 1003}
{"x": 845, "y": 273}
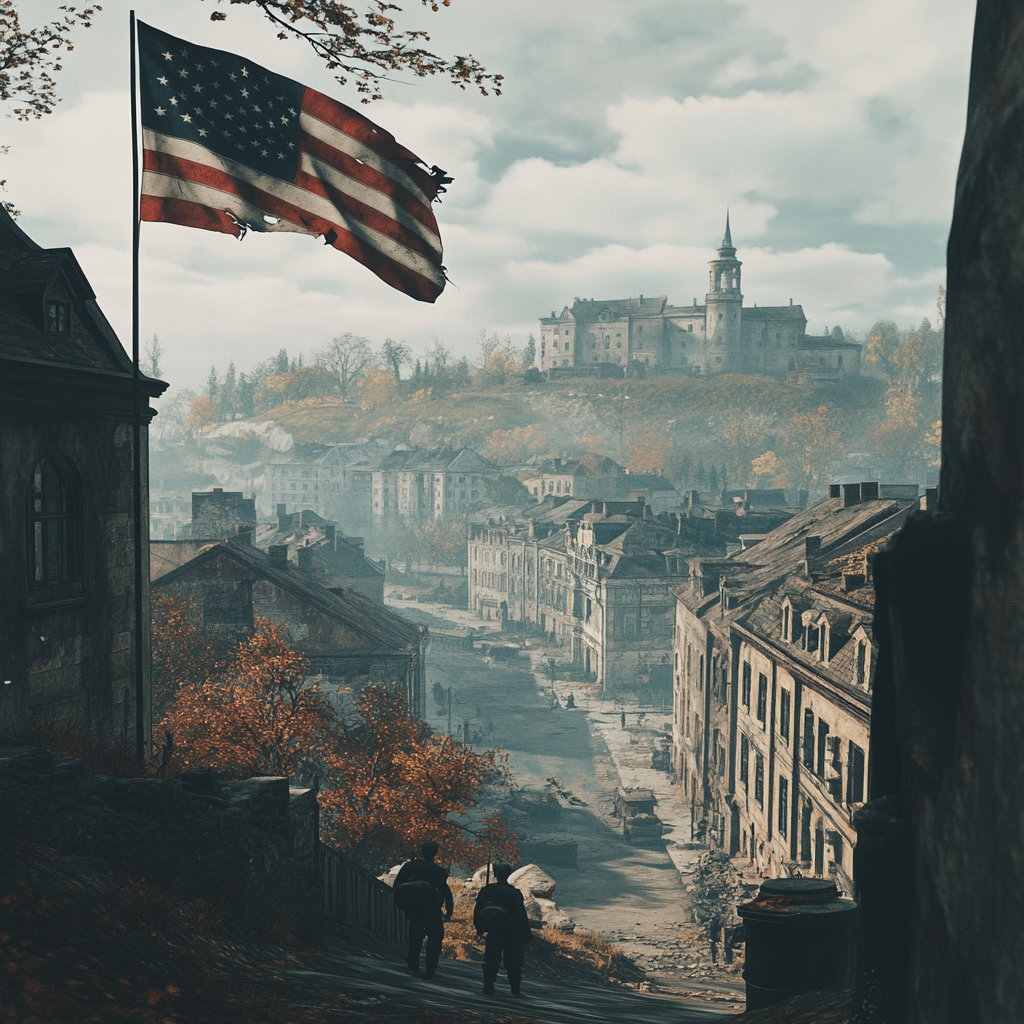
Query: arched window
{"x": 53, "y": 512}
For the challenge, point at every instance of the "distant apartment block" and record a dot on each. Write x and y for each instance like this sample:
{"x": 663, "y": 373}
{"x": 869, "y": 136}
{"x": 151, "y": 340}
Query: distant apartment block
{"x": 419, "y": 483}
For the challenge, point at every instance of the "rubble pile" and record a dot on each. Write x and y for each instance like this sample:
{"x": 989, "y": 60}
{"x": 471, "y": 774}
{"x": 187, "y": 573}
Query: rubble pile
{"x": 716, "y": 888}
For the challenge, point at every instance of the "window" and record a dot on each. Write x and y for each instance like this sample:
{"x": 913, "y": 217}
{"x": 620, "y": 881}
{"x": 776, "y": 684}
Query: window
{"x": 744, "y": 759}
{"x": 808, "y": 751}
{"x": 689, "y": 327}
{"x": 784, "y": 714}
{"x": 861, "y": 675}
{"x": 58, "y": 317}
{"x": 823, "y": 746}
{"x": 759, "y": 779}
{"x": 746, "y": 685}
{"x": 855, "y": 775}
{"x": 52, "y": 526}
{"x": 783, "y": 805}
{"x": 762, "y": 698}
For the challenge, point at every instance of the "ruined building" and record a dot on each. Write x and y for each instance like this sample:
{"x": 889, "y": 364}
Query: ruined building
{"x": 719, "y": 336}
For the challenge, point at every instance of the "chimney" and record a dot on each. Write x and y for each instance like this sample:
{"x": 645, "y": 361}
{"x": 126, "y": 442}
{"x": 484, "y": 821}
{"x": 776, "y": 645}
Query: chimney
{"x": 812, "y": 548}
{"x": 282, "y": 518}
{"x": 305, "y": 557}
{"x": 329, "y": 533}
{"x": 243, "y": 533}
{"x": 835, "y": 490}
{"x": 278, "y": 554}
{"x": 851, "y": 495}
{"x": 218, "y": 490}
{"x": 869, "y": 491}
{"x": 929, "y": 501}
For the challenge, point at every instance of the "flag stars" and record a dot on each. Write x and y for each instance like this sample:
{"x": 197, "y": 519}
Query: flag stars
{"x": 167, "y": 56}
{"x": 280, "y": 156}
{"x": 160, "y": 111}
{"x": 174, "y": 101}
{"x": 284, "y": 120}
{"x": 245, "y": 94}
{"x": 162, "y": 80}
{"x": 183, "y": 73}
{"x": 263, "y": 152}
{"x": 245, "y": 72}
{"x": 212, "y": 104}
{"x": 233, "y": 77}
{"x": 197, "y": 87}
{"x": 257, "y": 109}
{"x": 203, "y": 133}
{"x": 187, "y": 118}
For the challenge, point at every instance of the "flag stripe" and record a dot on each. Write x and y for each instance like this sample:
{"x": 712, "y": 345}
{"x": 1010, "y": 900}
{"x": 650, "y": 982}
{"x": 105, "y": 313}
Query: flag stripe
{"x": 187, "y": 161}
{"x": 370, "y": 177}
{"x": 361, "y": 129}
{"x": 279, "y": 199}
{"x": 366, "y": 204}
{"x": 196, "y": 215}
{"x": 344, "y": 144}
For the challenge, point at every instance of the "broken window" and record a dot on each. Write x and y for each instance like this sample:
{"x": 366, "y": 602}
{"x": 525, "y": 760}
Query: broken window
{"x": 52, "y": 525}
{"x": 58, "y": 317}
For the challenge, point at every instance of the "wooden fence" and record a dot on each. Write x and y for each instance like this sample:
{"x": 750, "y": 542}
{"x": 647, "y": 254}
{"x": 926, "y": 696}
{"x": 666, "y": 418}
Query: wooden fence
{"x": 352, "y": 898}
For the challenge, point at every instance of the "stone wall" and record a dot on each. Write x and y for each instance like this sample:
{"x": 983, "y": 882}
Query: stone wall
{"x": 249, "y": 847}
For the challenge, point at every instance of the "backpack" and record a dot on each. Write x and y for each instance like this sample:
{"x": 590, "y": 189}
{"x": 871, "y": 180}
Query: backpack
{"x": 416, "y": 898}
{"x": 493, "y": 918}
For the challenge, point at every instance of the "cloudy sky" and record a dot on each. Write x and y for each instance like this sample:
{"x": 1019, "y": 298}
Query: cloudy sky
{"x": 626, "y": 128}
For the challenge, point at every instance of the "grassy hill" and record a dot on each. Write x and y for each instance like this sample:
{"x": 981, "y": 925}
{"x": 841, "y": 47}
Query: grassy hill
{"x": 682, "y": 416}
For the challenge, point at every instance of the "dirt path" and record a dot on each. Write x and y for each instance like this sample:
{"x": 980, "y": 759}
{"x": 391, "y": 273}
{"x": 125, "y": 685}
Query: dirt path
{"x": 634, "y": 895}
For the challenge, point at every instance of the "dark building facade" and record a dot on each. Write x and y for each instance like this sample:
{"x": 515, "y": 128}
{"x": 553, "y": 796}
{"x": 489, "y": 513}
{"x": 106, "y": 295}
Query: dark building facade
{"x": 67, "y": 560}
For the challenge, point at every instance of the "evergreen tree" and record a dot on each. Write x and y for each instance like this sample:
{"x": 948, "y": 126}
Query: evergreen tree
{"x": 702, "y": 476}
{"x": 529, "y": 352}
{"x": 245, "y": 395}
{"x": 417, "y": 374}
{"x": 462, "y": 371}
{"x": 282, "y": 361}
{"x": 153, "y": 354}
{"x": 713, "y": 479}
{"x": 212, "y": 389}
{"x": 723, "y": 478}
{"x": 229, "y": 393}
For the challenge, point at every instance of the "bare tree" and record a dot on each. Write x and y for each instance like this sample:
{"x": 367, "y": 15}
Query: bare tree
{"x": 438, "y": 354}
{"x": 395, "y": 353}
{"x": 347, "y": 357}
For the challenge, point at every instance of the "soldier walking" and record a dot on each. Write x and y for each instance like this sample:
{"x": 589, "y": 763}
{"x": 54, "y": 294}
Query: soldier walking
{"x": 501, "y": 912}
{"x": 420, "y": 889}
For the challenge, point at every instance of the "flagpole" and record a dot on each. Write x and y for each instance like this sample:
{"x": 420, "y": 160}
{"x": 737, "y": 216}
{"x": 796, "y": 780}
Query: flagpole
{"x": 140, "y": 690}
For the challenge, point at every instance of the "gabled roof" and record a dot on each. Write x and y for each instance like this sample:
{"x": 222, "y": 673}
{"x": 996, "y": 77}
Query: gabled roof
{"x": 591, "y": 309}
{"x": 301, "y": 454}
{"x": 825, "y": 343}
{"x": 28, "y": 275}
{"x": 773, "y": 313}
{"x": 436, "y": 460}
{"x": 382, "y": 627}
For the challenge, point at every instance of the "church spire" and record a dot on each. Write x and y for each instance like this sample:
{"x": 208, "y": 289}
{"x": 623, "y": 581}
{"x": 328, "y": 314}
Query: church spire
{"x": 727, "y": 240}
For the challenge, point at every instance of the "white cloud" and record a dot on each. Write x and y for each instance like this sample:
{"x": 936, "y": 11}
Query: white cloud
{"x": 625, "y": 132}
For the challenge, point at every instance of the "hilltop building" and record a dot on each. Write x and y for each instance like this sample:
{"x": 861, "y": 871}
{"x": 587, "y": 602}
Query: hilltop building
{"x": 719, "y": 336}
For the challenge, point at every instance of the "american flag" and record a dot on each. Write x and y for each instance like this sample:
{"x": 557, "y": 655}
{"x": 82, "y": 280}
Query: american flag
{"x": 230, "y": 146}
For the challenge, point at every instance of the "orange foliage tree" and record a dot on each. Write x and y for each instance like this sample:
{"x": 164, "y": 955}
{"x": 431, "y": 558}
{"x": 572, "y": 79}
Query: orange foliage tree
{"x": 399, "y": 784}
{"x": 181, "y": 653}
{"x": 508, "y": 447}
{"x": 201, "y": 415}
{"x": 819, "y": 446}
{"x": 388, "y": 783}
{"x": 258, "y": 716}
{"x": 647, "y": 453}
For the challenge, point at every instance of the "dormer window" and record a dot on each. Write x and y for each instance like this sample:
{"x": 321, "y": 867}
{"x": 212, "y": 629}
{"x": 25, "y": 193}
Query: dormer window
{"x": 822, "y": 650}
{"x": 58, "y": 317}
{"x": 861, "y": 659}
{"x": 787, "y": 622}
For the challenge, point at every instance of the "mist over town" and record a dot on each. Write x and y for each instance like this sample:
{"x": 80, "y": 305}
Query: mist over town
{"x": 534, "y": 551}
